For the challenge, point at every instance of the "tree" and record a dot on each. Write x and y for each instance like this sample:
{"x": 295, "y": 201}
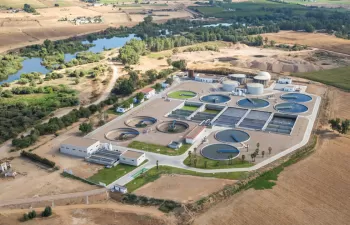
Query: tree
{"x": 247, "y": 146}
{"x": 47, "y": 212}
{"x": 270, "y": 150}
{"x": 243, "y": 158}
{"x": 205, "y": 164}
{"x": 262, "y": 154}
{"x": 168, "y": 60}
{"x": 253, "y": 157}
{"x": 180, "y": 64}
{"x": 85, "y": 128}
{"x": 169, "y": 80}
{"x": 158, "y": 87}
{"x": 157, "y": 164}
{"x": 345, "y": 126}
{"x": 272, "y": 43}
{"x": 175, "y": 50}
{"x": 266, "y": 40}
{"x": 195, "y": 162}
{"x": 189, "y": 154}
{"x": 140, "y": 96}
{"x": 32, "y": 214}
{"x": 258, "y": 145}
{"x": 148, "y": 19}
{"x": 151, "y": 75}
{"x": 25, "y": 217}
{"x": 195, "y": 150}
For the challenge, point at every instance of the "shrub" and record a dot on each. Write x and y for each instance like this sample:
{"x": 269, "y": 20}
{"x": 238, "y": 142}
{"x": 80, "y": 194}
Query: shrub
{"x": 36, "y": 158}
{"x": 47, "y": 212}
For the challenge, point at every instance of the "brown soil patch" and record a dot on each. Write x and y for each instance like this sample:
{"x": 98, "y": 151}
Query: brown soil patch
{"x": 182, "y": 188}
{"x": 98, "y": 214}
{"x": 322, "y": 41}
{"x": 310, "y": 192}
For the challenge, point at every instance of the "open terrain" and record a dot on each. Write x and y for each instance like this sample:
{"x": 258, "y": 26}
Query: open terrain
{"x": 317, "y": 40}
{"x": 182, "y": 188}
{"x": 310, "y": 192}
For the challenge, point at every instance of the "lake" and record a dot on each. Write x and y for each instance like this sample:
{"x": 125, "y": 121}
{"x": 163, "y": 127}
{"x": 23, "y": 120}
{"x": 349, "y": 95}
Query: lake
{"x": 34, "y": 64}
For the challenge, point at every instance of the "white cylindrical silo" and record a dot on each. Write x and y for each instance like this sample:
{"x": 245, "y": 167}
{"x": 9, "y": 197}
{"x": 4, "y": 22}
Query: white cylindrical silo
{"x": 255, "y": 88}
{"x": 241, "y": 78}
{"x": 229, "y": 85}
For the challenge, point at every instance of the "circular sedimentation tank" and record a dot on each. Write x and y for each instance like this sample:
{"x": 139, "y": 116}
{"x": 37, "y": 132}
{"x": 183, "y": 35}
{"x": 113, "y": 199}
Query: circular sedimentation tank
{"x": 253, "y": 103}
{"x": 291, "y": 107}
{"x": 220, "y": 152}
{"x": 296, "y": 97}
{"x": 215, "y": 98}
{"x": 232, "y": 136}
{"x": 122, "y": 134}
{"x": 172, "y": 127}
{"x": 182, "y": 94}
{"x": 141, "y": 121}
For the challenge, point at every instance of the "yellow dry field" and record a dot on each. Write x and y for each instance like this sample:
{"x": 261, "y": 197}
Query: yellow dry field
{"x": 312, "y": 191}
{"x": 20, "y": 3}
{"x": 317, "y": 40}
{"x": 182, "y": 188}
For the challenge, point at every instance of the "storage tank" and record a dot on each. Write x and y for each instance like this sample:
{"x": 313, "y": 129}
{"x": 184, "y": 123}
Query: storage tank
{"x": 229, "y": 85}
{"x": 241, "y": 78}
{"x": 255, "y": 88}
{"x": 265, "y": 74}
{"x": 261, "y": 79}
{"x": 191, "y": 73}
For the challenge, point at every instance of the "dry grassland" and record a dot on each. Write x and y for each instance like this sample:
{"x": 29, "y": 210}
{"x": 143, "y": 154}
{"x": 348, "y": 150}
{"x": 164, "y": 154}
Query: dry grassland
{"x": 322, "y": 41}
{"x": 182, "y": 188}
{"x": 313, "y": 191}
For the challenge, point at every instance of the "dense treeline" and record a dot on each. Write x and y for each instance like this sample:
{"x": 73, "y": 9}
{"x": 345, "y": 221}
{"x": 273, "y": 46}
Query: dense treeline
{"x": 56, "y": 123}
{"x": 131, "y": 51}
{"x": 37, "y": 158}
{"x": 9, "y": 64}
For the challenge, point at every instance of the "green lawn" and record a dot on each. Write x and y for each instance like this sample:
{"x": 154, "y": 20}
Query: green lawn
{"x": 153, "y": 174}
{"x": 215, "y": 164}
{"x": 148, "y": 147}
{"x": 182, "y": 94}
{"x": 190, "y": 107}
{"x": 107, "y": 176}
{"x": 339, "y": 77}
{"x": 157, "y": 55}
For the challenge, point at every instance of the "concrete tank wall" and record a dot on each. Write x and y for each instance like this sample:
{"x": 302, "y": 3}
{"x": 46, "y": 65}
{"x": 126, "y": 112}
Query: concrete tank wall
{"x": 255, "y": 88}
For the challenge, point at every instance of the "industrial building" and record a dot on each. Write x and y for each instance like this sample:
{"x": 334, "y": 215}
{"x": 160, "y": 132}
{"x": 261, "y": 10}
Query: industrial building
{"x": 255, "y": 88}
{"x": 195, "y": 134}
{"x": 132, "y": 158}
{"x": 284, "y": 80}
{"x": 230, "y": 85}
{"x": 80, "y": 147}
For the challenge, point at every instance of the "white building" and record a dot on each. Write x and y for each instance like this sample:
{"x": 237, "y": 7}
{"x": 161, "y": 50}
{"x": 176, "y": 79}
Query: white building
{"x": 284, "y": 80}
{"x": 148, "y": 92}
{"x": 289, "y": 88}
{"x": 4, "y": 166}
{"x": 132, "y": 158}
{"x": 195, "y": 134}
{"x": 203, "y": 79}
{"x": 122, "y": 109}
{"x": 81, "y": 147}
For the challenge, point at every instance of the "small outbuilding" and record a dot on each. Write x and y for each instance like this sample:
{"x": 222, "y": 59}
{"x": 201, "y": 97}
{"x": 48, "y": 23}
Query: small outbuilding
{"x": 132, "y": 158}
{"x": 148, "y": 92}
{"x": 284, "y": 80}
{"x": 78, "y": 146}
{"x": 195, "y": 134}
{"x": 289, "y": 88}
{"x": 123, "y": 109}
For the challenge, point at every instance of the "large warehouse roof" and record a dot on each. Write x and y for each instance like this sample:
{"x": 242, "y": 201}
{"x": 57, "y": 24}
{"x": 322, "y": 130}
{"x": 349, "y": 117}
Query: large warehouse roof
{"x": 79, "y": 141}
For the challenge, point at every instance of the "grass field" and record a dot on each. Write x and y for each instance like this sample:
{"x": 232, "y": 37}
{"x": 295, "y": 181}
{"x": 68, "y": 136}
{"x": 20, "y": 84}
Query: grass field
{"x": 190, "y": 108}
{"x": 148, "y": 147}
{"x": 182, "y": 94}
{"x": 339, "y": 77}
{"x": 215, "y": 164}
{"x": 107, "y": 176}
{"x": 153, "y": 174}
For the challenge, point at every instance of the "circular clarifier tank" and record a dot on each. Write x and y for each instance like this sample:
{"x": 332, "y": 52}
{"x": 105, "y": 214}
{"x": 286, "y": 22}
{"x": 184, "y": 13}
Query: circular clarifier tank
{"x": 215, "y": 98}
{"x": 220, "y": 152}
{"x": 296, "y": 97}
{"x": 122, "y": 134}
{"x": 141, "y": 121}
{"x": 232, "y": 136}
{"x": 291, "y": 107}
{"x": 253, "y": 103}
{"x": 172, "y": 127}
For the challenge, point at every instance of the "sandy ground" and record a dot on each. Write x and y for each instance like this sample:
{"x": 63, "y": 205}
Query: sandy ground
{"x": 21, "y": 29}
{"x": 182, "y": 188}
{"x": 240, "y": 56}
{"x": 97, "y": 214}
{"x": 313, "y": 191}
{"x": 317, "y": 40}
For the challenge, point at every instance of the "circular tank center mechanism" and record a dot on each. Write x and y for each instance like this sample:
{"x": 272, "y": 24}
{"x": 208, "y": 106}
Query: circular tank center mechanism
{"x": 219, "y": 152}
{"x": 122, "y": 134}
{"x": 182, "y": 94}
{"x": 232, "y": 136}
{"x": 291, "y": 107}
{"x": 174, "y": 127}
{"x": 253, "y": 103}
{"x": 141, "y": 121}
{"x": 215, "y": 98}
{"x": 296, "y": 97}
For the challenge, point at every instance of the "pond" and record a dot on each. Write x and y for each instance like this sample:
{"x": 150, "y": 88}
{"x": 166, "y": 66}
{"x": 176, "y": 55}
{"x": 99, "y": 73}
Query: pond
{"x": 34, "y": 64}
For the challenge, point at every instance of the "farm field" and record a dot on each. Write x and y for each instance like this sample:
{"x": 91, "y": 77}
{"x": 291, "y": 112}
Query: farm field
{"x": 182, "y": 188}
{"x": 317, "y": 40}
{"x": 339, "y": 77}
{"x": 309, "y": 192}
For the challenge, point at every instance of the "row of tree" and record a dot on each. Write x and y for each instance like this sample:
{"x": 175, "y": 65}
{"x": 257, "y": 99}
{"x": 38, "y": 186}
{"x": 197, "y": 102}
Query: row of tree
{"x": 342, "y": 126}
